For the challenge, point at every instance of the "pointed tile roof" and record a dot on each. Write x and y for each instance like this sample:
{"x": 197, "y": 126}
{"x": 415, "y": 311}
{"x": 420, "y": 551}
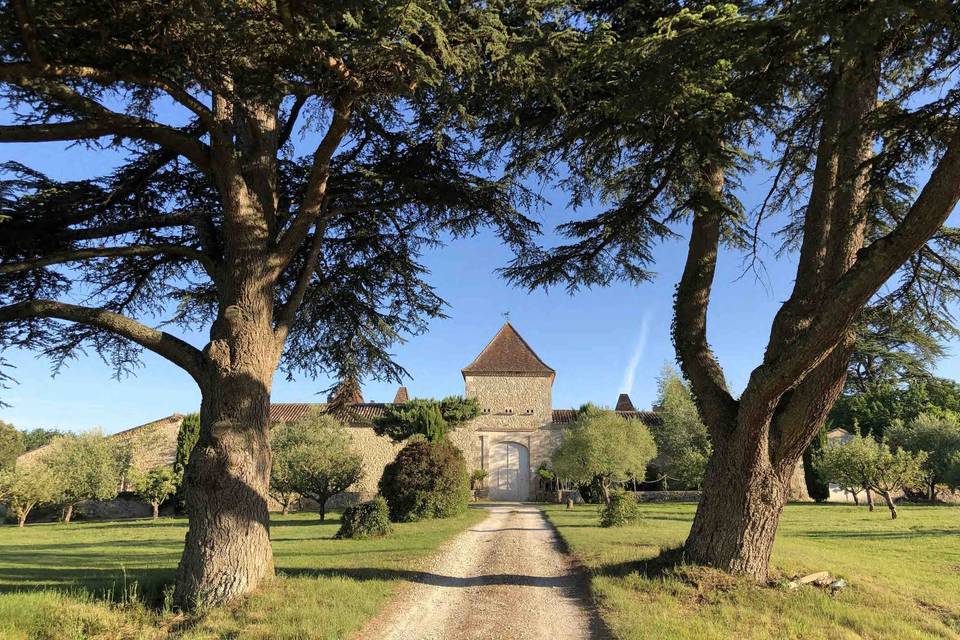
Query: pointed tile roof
{"x": 508, "y": 353}
{"x": 624, "y": 403}
{"x": 402, "y": 396}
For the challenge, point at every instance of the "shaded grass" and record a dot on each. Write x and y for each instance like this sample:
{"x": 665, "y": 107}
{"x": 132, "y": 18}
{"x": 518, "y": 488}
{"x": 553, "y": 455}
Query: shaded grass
{"x": 903, "y": 575}
{"x": 112, "y": 579}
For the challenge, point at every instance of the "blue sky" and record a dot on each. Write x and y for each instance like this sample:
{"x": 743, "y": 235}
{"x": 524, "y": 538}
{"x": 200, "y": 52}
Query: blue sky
{"x": 600, "y": 341}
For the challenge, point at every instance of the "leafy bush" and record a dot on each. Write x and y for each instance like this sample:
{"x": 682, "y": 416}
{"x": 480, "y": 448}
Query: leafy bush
{"x": 426, "y": 480}
{"x": 369, "y": 519}
{"x": 623, "y": 509}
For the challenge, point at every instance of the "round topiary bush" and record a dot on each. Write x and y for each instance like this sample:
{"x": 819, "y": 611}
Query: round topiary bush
{"x": 369, "y": 519}
{"x": 622, "y": 510}
{"x": 426, "y": 480}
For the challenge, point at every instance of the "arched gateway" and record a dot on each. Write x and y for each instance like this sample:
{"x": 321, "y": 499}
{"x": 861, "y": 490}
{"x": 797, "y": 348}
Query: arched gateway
{"x": 509, "y": 474}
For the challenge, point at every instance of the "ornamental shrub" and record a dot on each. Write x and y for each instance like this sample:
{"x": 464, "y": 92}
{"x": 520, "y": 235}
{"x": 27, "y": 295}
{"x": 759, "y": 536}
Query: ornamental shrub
{"x": 426, "y": 480}
{"x": 369, "y": 519}
{"x": 623, "y": 509}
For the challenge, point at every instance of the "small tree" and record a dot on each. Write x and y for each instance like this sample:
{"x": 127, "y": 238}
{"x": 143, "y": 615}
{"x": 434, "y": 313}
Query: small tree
{"x": 683, "y": 444}
{"x": 317, "y": 453}
{"x": 284, "y": 443}
{"x": 11, "y": 445}
{"x": 155, "y": 486}
{"x": 429, "y": 418}
{"x": 25, "y": 487}
{"x": 602, "y": 445}
{"x": 871, "y": 465}
{"x": 87, "y": 467}
{"x": 939, "y": 438}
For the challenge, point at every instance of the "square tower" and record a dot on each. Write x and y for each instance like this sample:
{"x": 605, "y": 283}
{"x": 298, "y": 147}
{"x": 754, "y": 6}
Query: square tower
{"x": 512, "y": 384}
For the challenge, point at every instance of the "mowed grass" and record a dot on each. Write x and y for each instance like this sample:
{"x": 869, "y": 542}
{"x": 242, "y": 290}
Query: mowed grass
{"x": 110, "y": 580}
{"x": 903, "y": 575}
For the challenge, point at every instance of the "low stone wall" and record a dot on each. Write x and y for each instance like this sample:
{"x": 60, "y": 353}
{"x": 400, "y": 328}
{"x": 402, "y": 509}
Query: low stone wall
{"x": 667, "y": 496}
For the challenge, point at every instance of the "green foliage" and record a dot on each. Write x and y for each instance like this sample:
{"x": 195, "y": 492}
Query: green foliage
{"x": 871, "y": 465}
{"x": 87, "y": 466}
{"x": 27, "y": 486}
{"x": 38, "y": 437}
{"x": 314, "y": 457}
{"x": 818, "y": 486}
{"x": 623, "y": 509}
{"x": 683, "y": 444}
{"x": 426, "y": 480}
{"x": 11, "y": 445}
{"x": 429, "y": 418}
{"x": 369, "y": 519}
{"x": 384, "y": 86}
{"x": 477, "y": 478}
{"x": 939, "y": 438}
{"x": 601, "y": 444}
{"x": 155, "y": 486}
{"x": 187, "y": 438}
{"x": 873, "y": 410}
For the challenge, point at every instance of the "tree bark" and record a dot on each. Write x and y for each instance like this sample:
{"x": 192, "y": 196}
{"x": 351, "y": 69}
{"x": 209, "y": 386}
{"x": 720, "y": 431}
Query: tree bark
{"x": 22, "y": 517}
{"x": 890, "y": 504}
{"x": 869, "y": 499}
{"x": 68, "y": 513}
{"x": 156, "y": 509}
{"x": 227, "y": 551}
{"x": 743, "y": 497}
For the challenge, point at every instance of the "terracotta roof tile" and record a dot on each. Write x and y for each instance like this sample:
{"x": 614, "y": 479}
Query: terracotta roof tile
{"x": 649, "y": 418}
{"x": 402, "y": 396}
{"x": 508, "y": 353}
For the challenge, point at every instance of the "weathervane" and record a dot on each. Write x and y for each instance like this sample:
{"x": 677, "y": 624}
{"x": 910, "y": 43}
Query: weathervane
{"x": 506, "y": 316}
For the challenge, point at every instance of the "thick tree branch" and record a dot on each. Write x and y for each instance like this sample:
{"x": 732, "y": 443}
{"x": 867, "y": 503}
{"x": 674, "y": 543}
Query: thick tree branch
{"x": 288, "y": 312}
{"x": 180, "y": 353}
{"x": 690, "y": 313}
{"x": 108, "y": 252}
{"x": 874, "y": 266}
{"x": 317, "y": 183}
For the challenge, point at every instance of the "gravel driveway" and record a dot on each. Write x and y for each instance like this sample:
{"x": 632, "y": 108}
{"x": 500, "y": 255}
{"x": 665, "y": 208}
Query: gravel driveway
{"x": 504, "y": 578}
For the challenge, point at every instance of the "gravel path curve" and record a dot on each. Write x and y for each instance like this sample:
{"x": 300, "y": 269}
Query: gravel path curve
{"x": 504, "y": 578}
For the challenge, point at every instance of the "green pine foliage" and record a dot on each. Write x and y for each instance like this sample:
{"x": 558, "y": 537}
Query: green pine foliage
{"x": 683, "y": 444}
{"x": 426, "y": 480}
{"x": 369, "y": 519}
{"x": 187, "y": 438}
{"x": 429, "y": 418}
{"x": 818, "y": 486}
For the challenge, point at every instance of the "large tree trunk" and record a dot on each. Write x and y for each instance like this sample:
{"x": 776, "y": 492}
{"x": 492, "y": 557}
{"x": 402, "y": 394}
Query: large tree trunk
{"x": 22, "y": 517}
{"x": 68, "y": 513}
{"x": 737, "y": 518}
{"x": 869, "y": 499}
{"x": 227, "y": 551}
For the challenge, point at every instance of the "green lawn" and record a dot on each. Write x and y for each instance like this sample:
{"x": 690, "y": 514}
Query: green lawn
{"x": 903, "y": 575}
{"x": 108, "y": 579}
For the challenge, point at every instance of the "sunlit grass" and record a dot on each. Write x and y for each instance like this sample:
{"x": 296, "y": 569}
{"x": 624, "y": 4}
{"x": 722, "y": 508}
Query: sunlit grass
{"x": 111, "y": 580}
{"x": 903, "y": 575}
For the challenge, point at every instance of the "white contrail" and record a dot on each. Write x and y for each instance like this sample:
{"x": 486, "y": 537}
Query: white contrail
{"x": 630, "y": 372}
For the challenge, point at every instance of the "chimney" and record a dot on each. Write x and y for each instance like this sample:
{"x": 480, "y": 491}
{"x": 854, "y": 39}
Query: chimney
{"x": 402, "y": 396}
{"x": 624, "y": 403}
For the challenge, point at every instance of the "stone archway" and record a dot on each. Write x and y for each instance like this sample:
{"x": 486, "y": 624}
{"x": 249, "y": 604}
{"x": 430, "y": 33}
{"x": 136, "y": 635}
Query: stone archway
{"x": 509, "y": 472}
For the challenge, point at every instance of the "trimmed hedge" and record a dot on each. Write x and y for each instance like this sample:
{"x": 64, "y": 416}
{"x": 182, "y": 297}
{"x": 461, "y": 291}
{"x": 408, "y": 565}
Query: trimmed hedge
{"x": 369, "y": 519}
{"x": 426, "y": 480}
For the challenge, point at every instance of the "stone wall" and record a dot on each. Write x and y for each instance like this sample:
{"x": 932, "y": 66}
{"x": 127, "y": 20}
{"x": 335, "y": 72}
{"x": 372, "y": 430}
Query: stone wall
{"x": 511, "y": 403}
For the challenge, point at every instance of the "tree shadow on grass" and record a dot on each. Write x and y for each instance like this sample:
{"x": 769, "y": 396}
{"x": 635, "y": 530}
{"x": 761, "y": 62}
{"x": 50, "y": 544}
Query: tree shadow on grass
{"x": 881, "y": 535}
{"x": 110, "y": 584}
{"x": 663, "y": 564}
